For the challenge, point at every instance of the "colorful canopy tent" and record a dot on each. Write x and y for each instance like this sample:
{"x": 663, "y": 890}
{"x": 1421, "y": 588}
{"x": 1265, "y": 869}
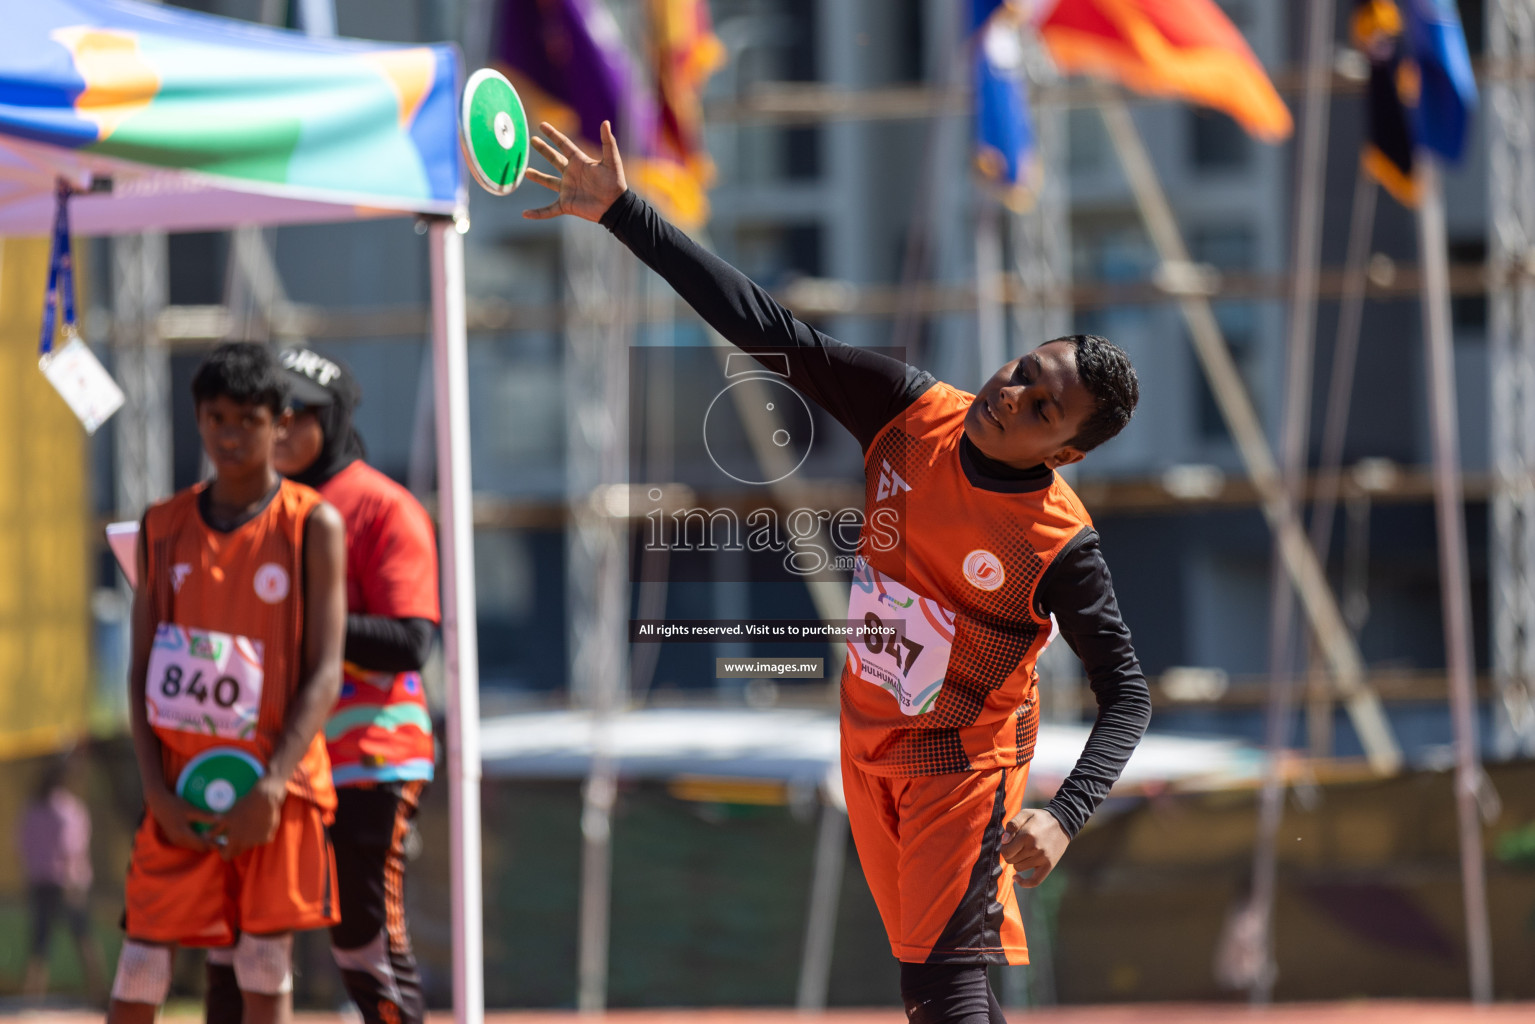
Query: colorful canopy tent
{"x": 201, "y": 123}
{"x": 168, "y": 120}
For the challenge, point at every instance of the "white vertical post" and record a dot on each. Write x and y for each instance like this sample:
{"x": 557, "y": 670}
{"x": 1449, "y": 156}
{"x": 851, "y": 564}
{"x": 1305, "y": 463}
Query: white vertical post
{"x": 1310, "y": 186}
{"x": 450, "y": 366}
{"x": 317, "y": 17}
{"x": 1454, "y": 579}
{"x": 991, "y": 323}
{"x": 821, "y": 920}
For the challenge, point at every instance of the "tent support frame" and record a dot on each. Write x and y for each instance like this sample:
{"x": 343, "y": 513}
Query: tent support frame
{"x": 460, "y": 641}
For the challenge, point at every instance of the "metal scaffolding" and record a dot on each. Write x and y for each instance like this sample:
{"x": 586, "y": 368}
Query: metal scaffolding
{"x": 140, "y": 291}
{"x": 1511, "y": 199}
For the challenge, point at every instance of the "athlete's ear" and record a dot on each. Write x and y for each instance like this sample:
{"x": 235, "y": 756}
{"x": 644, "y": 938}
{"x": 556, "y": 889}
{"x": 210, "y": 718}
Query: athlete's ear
{"x": 283, "y": 424}
{"x": 1065, "y": 457}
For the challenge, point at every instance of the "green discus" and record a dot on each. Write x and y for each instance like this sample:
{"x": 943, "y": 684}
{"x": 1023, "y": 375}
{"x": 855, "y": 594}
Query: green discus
{"x": 494, "y": 131}
{"x": 215, "y": 779}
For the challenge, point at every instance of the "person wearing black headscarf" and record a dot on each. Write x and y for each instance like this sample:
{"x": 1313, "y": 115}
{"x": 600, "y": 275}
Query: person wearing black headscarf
{"x": 379, "y": 735}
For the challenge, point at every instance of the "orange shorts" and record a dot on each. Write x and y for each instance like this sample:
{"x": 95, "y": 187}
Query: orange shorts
{"x": 182, "y": 896}
{"x": 931, "y": 849}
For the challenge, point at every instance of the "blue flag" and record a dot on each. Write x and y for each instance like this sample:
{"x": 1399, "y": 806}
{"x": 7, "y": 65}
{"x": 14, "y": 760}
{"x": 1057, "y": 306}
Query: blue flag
{"x": 1005, "y": 152}
{"x": 1447, "y": 100}
{"x": 1422, "y": 92}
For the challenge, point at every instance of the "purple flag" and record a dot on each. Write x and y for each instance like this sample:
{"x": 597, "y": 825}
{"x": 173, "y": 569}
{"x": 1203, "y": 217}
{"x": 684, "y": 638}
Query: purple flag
{"x": 571, "y": 53}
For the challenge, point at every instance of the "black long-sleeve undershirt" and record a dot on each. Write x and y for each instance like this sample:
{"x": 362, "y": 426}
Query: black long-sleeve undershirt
{"x": 379, "y": 643}
{"x": 864, "y": 390}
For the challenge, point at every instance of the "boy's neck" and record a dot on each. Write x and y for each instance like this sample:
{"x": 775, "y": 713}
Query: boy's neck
{"x": 236, "y": 493}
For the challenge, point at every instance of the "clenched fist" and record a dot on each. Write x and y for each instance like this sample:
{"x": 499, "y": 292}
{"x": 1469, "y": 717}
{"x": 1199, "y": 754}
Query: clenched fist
{"x": 1034, "y": 844}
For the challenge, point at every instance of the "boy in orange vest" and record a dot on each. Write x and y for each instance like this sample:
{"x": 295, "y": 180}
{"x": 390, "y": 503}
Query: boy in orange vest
{"x": 978, "y": 552}
{"x": 237, "y": 643}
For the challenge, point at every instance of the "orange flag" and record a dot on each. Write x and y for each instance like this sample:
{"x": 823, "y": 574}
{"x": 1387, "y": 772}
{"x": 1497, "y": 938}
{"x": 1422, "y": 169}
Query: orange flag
{"x": 677, "y": 172}
{"x": 1183, "y": 48}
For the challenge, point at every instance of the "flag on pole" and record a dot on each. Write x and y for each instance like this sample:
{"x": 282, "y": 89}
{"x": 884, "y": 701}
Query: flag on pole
{"x": 1005, "y": 150}
{"x": 675, "y": 171}
{"x": 568, "y": 62}
{"x": 1183, "y": 48}
{"x": 1422, "y": 91}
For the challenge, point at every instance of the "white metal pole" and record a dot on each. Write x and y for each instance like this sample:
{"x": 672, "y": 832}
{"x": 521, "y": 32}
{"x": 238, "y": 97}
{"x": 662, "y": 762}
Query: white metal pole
{"x": 455, "y": 495}
{"x": 991, "y": 322}
{"x": 1310, "y": 194}
{"x": 821, "y": 920}
{"x": 1454, "y": 579}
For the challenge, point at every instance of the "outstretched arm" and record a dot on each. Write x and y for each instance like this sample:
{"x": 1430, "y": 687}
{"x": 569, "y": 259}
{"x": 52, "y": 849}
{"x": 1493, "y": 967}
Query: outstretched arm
{"x": 861, "y": 388}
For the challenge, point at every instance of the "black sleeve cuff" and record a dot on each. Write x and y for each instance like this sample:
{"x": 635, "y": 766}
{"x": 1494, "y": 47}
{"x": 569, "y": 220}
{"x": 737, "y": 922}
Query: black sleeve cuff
{"x": 620, "y": 210}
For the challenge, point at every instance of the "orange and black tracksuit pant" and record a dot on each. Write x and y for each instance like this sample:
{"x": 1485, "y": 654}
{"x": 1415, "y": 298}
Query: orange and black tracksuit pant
{"x": 371, "y": 944}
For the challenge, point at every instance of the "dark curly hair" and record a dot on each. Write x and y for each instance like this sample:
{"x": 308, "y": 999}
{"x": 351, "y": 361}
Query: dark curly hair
{"x": 244, "y": 372}
{"x": 1105, "y": 370}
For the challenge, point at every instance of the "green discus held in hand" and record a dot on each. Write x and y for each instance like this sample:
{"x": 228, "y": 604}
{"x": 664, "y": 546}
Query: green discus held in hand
{"x": 494, "y": 132}
{"x": 215, "y": 779}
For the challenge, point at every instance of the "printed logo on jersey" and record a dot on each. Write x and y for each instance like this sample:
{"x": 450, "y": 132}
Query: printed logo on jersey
{"x": 179, "y": 573}
{"x": 890, "y": 482}
{"x": 271, "y": 583}
{"x": 983, "y": 569}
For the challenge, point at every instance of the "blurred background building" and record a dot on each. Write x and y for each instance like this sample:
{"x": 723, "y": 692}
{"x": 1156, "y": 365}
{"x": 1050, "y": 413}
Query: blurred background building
{"x": 840, "y": 189}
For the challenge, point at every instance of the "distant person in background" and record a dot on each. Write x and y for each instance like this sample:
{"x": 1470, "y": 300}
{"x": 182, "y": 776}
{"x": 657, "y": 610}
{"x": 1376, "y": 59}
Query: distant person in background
{"x": 380, "y": 734}
{"x": 56, "y": 856}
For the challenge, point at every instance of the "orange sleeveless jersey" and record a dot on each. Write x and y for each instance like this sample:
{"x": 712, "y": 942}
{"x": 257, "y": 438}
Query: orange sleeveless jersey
{"x": 975, "y": 554}
{"x": 247, "y": 582}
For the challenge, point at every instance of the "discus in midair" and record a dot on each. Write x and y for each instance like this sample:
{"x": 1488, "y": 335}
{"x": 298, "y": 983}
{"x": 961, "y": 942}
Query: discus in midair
{"x": 215, "y": 779}
{"x": 494, "y": 131}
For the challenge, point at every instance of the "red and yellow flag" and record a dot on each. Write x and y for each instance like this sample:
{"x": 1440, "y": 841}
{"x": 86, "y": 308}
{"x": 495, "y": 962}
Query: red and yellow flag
{"x": 676, "y": 171}
{"x": 1183, "y": 48}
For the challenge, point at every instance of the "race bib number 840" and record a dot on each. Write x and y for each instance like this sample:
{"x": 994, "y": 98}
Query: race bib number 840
{"x": 204, "y": 682}
{"x": 909, "y": 664}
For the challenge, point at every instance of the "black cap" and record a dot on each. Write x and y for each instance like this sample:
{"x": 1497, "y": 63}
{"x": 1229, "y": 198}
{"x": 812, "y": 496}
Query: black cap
{"x": 314, "y": 380}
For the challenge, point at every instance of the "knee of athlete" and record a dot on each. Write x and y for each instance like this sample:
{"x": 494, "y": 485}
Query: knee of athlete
{"x": 264, "y": 963}
{"x": 143, "y": 974}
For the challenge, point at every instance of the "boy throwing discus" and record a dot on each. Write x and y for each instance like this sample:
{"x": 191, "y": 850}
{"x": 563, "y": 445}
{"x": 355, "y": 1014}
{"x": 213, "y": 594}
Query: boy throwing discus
{"x": 993, "y": 553}
{"x": 237, "y": 643}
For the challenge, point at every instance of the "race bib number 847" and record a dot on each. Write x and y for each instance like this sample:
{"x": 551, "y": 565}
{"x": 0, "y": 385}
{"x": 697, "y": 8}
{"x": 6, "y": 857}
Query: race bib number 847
{"x": 204, "y": 682}
{"x": 910, "y": 663}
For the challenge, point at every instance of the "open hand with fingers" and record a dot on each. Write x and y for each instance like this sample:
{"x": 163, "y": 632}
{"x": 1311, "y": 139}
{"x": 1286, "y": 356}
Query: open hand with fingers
{"x": 586, "y": 187}
{"x": 1034, "y": 843}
